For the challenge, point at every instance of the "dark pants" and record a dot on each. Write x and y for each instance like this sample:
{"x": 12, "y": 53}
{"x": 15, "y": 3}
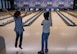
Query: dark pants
{"x": 44, "y": 39}
{"x": 19, "y": 35}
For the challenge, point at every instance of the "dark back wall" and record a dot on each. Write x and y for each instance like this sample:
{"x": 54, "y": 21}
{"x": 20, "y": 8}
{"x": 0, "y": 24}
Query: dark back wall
{"x": 6, "y": 5}
{"x": 75, "y": 4}
{"x": 12, "y": 4}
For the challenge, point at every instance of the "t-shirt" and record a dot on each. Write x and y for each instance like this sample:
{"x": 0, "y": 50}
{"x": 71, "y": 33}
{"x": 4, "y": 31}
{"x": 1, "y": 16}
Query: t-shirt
{"x": 18, "y": 24}
{"x": 46, "y": 26}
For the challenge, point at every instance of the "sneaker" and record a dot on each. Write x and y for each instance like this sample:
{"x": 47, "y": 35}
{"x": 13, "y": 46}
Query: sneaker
{"x": 20, "y": 47}
{"x": 46, "y": 50}
{"x": 40, "y": 52}
{"x": 15, "y": 46}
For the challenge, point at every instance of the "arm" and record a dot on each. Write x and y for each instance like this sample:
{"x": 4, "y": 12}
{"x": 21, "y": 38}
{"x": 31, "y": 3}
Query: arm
{"x": 7, "y": 12}
{"x": 24, "y": 14}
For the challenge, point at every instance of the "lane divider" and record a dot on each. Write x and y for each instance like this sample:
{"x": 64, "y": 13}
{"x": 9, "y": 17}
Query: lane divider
{"x": 32, "y": 19}
{"x": 8, "y": 16}
{"x": 66, "y": 19}
{"x": 5, "y": 17}
{"x": 71, "y": 14}
{"x": 50, "y": 17}
{"x": 10, "y": 21}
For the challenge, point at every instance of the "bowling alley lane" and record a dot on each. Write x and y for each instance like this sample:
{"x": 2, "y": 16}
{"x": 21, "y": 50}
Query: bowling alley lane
{"x": 29, "y": 16}
{"x": 62, "y": 39}
{"x": 56, "y": 20}
{"x": 74, "y": 12}
{"x": 74, "y": 19}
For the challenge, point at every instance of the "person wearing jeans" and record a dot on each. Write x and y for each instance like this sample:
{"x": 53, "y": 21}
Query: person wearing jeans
{"x": 19, "y": 35}
{"x": 45, "y": 33}
{"x": 45, "y": 38}
{"x": 18, "y": 26}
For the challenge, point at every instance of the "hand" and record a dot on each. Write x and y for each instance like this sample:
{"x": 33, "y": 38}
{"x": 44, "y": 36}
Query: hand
{"x": 5, "y": 10}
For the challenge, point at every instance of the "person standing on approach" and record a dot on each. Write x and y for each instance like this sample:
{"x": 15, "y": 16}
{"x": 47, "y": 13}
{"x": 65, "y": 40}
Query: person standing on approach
{"x": 18, "y": 27}
{"x": 45, "y": 33}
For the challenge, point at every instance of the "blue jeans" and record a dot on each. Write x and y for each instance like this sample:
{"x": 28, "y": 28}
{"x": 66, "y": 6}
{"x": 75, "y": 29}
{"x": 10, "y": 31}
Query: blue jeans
{"x": 19, "y": 35}
{"x": 44, "y": 39}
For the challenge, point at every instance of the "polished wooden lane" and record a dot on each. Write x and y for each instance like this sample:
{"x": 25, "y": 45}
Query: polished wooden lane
{"x": 74, "y": 19}
{"x": 62, "y": 39}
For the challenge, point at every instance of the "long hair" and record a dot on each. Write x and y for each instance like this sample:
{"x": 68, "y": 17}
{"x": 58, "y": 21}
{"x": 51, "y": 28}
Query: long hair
{"x": 17, "y": 13}
{"x": 46, "y": 15}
